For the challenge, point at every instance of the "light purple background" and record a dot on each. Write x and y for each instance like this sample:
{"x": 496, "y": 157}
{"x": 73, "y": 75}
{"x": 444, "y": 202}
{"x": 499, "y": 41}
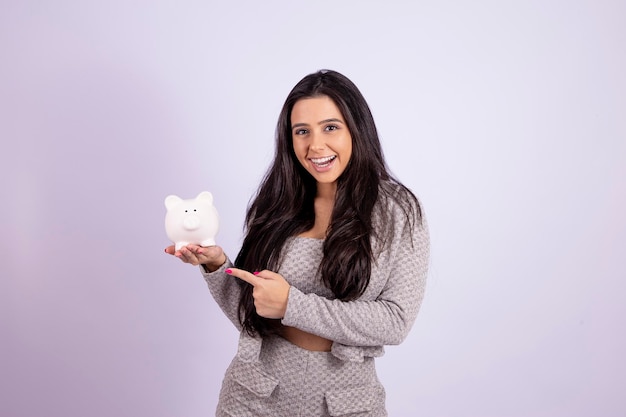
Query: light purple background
{"x": 506, "y": 118}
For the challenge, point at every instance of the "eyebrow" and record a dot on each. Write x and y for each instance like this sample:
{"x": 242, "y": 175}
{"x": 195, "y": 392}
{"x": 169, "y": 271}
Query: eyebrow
{"x": 319, "y": 123}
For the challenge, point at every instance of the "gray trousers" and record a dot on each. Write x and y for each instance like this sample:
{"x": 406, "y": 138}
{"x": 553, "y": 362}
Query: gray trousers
{"x": 293, "y": 382}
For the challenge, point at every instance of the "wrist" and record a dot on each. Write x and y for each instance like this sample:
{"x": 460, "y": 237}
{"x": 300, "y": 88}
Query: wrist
{"x": 212, "y": 267}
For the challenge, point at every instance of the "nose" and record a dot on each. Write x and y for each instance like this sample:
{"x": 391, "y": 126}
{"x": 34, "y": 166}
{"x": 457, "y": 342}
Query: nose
{"x": 317, "y": 141}
{"x": 191, "y": 222}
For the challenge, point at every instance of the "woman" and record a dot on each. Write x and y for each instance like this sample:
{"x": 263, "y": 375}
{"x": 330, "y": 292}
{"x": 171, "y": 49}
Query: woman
{"x": 332, "y": 268}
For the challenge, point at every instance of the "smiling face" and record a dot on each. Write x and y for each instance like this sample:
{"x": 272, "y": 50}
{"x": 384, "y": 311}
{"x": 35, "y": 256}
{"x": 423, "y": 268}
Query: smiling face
{"x": 321, "y": 139}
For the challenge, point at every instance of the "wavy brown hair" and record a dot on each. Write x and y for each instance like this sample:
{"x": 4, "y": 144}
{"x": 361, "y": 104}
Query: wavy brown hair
{"x": 283, "y": 204}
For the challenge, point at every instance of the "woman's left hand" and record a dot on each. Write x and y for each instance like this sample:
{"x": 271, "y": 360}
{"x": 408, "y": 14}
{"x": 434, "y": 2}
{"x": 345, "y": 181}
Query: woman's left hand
{"x": 271, "y": 291}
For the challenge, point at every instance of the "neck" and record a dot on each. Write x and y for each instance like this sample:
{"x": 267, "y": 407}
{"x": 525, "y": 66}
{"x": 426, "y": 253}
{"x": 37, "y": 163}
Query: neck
{"x": 326, "y": 191}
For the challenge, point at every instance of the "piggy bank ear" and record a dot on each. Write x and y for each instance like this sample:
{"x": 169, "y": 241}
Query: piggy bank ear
{"x": 205, "y": 196}
{"x": 172, "y": 201}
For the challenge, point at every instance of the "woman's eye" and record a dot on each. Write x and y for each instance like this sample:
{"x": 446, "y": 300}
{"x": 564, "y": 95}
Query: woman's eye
{"x": 300, "y": 132}
{"x": 331, "y": 127}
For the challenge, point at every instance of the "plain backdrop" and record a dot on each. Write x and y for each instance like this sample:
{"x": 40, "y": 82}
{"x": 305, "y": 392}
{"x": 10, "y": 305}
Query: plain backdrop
{"x": 507, "y": 119}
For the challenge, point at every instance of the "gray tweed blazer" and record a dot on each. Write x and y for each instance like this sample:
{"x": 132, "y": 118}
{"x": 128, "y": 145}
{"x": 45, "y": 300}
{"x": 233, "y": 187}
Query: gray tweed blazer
{"x": 383, "y": 315}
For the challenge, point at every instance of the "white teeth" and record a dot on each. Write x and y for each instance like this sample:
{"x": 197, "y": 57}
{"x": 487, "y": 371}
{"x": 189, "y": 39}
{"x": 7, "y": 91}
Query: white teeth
{"x": 320, "y": 161}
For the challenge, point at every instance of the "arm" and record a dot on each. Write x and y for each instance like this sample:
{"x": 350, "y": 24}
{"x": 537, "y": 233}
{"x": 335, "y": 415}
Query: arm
{"x": 388, "y": 317}
{"x": 213, "y": 262}
{"x": 225, "y": 291}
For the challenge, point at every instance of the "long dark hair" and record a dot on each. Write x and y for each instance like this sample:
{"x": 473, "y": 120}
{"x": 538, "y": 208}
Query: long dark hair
{"x": 283, "y": 205}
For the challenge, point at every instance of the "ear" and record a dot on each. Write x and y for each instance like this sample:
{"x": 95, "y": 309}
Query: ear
{"x": 171, "y": 201}
{"x": 205, "y": 196}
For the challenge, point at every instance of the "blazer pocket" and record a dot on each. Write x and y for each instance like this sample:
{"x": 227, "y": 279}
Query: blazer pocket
{"x": 254, "y": 379}
{"x": 357, "y": 401}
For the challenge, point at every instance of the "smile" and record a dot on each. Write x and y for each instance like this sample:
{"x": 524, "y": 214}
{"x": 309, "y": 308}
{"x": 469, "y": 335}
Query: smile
{"x": 323, "y": 162}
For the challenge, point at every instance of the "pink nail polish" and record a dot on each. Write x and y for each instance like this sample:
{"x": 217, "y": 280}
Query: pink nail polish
{"x": 256, "y": 272}
{"x": 229, "y": 271}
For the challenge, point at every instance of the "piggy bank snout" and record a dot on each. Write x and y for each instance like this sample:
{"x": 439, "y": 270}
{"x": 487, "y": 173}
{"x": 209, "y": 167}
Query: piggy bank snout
{"x": 191, "y": 222}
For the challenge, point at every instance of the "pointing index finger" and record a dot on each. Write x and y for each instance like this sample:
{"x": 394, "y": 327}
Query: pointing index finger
{"x": 244, "y": 275}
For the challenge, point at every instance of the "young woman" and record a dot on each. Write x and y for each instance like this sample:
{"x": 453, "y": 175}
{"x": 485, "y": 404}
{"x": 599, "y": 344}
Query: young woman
{"x": 332, "y": 268}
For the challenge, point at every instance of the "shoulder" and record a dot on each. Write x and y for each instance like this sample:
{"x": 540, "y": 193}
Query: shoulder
{"x": 397, "y": 215}
{"x": 397, "y": 204}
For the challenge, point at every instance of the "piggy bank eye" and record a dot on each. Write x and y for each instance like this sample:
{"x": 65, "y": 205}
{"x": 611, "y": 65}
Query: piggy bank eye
{"x": 186, "y": 211}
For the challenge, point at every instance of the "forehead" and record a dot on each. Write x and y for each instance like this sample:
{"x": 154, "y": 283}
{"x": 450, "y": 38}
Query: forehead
{"x": 315, "y": 109}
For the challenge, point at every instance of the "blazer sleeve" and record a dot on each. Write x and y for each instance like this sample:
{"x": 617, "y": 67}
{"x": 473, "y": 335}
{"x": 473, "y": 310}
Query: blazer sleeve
{"x": 384, "y": 320}
{"x": 225, "y": 291}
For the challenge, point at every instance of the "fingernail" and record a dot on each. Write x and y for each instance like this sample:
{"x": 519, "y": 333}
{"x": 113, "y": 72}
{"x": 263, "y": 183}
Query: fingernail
{"x": 229, "y": 271}
{"x": 256, "y": 272}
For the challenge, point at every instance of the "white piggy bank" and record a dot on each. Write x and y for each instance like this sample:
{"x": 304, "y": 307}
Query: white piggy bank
{"x": 193, "y": 221}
